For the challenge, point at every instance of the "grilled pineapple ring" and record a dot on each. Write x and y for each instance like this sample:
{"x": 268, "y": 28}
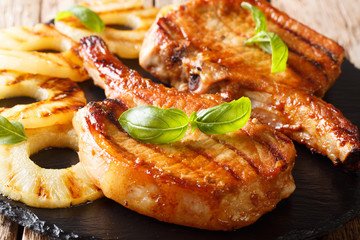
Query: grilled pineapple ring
{"x": 58, "y": 99}
{"x": 20, "y": 50}
{"x": 22, "y": 180}
{"x": 124, "y": 43}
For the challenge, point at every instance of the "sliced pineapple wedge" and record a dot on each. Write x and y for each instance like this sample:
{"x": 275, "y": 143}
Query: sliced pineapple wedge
{"x": 124, "y": 43}
{"x": 57, "y": 99}
{"x": 22, "y": 180}
{"x": 37, "y": 38}
{"x": 21, "y": 50}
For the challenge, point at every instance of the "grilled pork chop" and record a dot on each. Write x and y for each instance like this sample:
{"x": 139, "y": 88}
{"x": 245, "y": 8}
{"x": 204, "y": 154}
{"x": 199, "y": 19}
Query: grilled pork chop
{"x": 199, "y": 47}
{"x": 217, "y": 182}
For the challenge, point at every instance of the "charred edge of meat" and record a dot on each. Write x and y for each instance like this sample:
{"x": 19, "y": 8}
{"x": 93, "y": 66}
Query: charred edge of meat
{"x": 107, "y": 108}
{"x": 165, "y": 25}
{"x": 90, "y": 41}
{"x": 194, "y": 81}
{"x": 109, "y": 105}
{"x": 177, "y": 54}
{"x": 352, "y": 162}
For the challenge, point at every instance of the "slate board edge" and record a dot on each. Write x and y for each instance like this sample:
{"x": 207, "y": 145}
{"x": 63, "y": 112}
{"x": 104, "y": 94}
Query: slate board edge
{"x": 324, "y": 228}
{"x": 30, "y": 220}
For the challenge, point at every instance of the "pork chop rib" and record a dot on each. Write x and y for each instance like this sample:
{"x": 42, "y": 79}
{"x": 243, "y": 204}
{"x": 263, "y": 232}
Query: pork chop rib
{"x": 199, "y": 47}
{"x": 217, "y": 182}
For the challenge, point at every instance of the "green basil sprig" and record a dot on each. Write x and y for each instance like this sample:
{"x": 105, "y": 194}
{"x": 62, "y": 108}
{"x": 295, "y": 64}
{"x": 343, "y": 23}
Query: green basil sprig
{"x": 88, "y": 17}
{"x": 268, "y": 41}
{"x": 11, "y": 132}
{"x": 227, "y": 117}
{"x": 156, "y": 125}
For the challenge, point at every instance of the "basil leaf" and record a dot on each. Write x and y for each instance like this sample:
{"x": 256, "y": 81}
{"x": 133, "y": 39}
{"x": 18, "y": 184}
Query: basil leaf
{"x": 280, "y": 53}
{"x": 155, "y": 125}
{"x": 263, "y": 40}
{"x": 227, "y": 117}
{"x": 193, "y": 123}
{"x": 268, "y": 41}
{"x": 11, "y": 132}
{"x": 88, "y": 17}
{"x": 258, "y": 17}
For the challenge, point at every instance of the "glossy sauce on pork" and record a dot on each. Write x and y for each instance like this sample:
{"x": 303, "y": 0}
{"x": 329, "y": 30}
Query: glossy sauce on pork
{"x": 199, "y": 47}
{"x": 217, "y": 182}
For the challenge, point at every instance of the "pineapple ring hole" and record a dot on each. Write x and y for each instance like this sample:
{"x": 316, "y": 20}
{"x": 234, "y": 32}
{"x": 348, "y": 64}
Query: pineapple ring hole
{"x": 53, "y": 147}
{"x": 55, "y": 158}
{"x": 119, "y": 21}
{"x": 47, "y": 50}
{"x": 13, "y": 101}
{"x": 121, "y": 27}
{"x": 23, "y": 94}
{"x": 56, "y": 99}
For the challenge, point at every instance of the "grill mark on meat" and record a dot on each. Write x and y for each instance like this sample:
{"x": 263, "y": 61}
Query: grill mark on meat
{"x": 240, "y": 154}
{"x": 138, "y": 161}
{"x": 157, "y": 148}
{"x": 99, "y": 110}
{"x": 96, "y": 126}
{"x": 226, "y": 167}
{"x": 281, "y": 137}
{"x": 275, "y": 151}
{"x": 316, "y": 64}
{"x": 229, "y": 170}
{"x": 189, "y": 149}
{"x": 324, "y": 50}
{"x": 183, "y": 159}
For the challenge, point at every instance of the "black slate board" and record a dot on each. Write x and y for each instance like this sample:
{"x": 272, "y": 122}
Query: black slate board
{"x": 326, "y": 197}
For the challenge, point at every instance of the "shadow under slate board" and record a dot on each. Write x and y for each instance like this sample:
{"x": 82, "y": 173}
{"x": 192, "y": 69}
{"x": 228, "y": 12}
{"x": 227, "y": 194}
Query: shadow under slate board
{"x": 325, "y": 198}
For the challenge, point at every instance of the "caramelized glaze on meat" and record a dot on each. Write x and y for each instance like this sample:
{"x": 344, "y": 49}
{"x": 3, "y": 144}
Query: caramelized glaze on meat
{"x": 199, "y": 47}
{"x": 217, "y": 182}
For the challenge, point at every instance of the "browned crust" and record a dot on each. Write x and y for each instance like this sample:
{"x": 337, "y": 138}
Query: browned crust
{"x": 312, "y": 56}
{"x": 315, "y": 123}
{"x": 176, "y": 41}
{"x": 218, "y": 192}
{"x": 321, "y": 52}
{"x": 219, "y": 182}
{"x": 121, "y": 82}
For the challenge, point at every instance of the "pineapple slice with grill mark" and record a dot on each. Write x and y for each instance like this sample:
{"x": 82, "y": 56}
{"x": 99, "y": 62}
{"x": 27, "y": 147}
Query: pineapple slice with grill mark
{"x": 22, "y": 180}
{"x": 124, "y": 43}
{"x": 20, "y": 50}
{"x": 57, "y": 99}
